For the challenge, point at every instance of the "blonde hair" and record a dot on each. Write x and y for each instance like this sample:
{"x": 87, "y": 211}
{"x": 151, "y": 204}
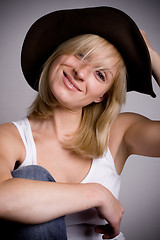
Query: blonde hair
{"x": 91, "y": 138}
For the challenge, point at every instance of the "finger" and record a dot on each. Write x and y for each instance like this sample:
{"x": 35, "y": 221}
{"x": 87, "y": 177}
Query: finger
{"x": 108, "y": 231}
{"x": 104, "y": 229}
{"x": 110, "y": 235}
{"x": 100, "y": 229}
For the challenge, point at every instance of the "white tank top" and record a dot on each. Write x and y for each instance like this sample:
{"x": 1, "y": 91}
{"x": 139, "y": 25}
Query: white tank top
{"x": 80, "y": 226}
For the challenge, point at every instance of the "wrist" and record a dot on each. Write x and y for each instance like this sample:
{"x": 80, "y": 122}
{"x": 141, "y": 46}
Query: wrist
{"x": 96, "y": 194}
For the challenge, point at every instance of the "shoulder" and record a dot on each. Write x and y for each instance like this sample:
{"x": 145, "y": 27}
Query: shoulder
{"x": 12, "y": 147}
{"x": 126, "y": 120}
{"x": 128, "y": 116}
{"x": 8, "y": 132}
{"x": 119, "y": 140}
{"x": 120, "y": 128}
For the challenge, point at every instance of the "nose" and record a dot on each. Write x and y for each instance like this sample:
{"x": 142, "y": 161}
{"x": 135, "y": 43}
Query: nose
{"x": 81, "y": 71}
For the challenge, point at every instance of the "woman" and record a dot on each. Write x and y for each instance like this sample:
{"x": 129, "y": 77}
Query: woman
{"x": 74, "y": 132}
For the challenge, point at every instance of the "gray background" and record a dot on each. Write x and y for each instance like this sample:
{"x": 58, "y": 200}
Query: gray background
{"x": 140, "y": 192}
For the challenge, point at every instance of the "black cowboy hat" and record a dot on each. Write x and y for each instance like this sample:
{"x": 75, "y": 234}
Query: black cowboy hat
{"x": 112, "y": 24}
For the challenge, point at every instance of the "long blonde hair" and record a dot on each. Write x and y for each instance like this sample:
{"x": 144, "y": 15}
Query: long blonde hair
{"x": 90, "y": 140}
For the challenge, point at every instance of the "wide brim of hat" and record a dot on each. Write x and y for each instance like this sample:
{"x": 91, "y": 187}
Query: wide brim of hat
{"x": 117, "y": 27}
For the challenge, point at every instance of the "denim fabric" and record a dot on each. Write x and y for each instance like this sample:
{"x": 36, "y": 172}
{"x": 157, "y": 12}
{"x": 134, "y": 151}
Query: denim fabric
{"x": 52, "y": 230}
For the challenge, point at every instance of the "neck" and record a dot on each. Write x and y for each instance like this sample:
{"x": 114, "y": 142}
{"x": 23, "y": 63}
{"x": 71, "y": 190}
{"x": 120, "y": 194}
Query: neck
{"x": 63, "y": 123}
{"x": 66, "y": 122}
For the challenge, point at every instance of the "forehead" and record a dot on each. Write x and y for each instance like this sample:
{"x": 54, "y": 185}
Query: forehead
{"x": 103, "y": 57}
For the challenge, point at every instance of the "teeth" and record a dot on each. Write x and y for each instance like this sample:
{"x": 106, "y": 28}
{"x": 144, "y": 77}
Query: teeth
{"x": 68, "y": 80}
{"x": 70, "y": 83}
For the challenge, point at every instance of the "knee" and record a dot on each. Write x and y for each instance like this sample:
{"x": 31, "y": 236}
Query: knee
{"x": 34, "y": 172}
{"x": 54, "y": 229}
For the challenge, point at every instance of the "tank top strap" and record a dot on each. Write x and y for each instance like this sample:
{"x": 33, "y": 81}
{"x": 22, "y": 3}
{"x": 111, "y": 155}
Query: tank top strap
{"x": 24, "y": 129}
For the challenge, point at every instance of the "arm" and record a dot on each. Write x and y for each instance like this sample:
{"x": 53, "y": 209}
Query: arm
{"x": 33, "y": 202}
{"x": 155, "y": 59}
{"x": 142, "y": 136}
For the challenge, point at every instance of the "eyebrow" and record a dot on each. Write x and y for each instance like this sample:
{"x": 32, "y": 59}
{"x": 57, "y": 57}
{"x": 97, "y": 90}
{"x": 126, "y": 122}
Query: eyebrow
{"x": 105, "y": 69}
{"x": 89, "y": 54}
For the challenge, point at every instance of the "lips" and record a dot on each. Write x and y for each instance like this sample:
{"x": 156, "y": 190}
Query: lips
{"x": 70, "y": 83}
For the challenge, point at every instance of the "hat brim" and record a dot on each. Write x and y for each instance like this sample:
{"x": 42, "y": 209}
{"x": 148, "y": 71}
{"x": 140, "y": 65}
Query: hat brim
{"x": 117, "y": 27}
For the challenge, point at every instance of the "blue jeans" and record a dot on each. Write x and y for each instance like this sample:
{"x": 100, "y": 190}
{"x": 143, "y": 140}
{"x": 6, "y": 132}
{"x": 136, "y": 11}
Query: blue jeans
{"x": 52, "y": 230}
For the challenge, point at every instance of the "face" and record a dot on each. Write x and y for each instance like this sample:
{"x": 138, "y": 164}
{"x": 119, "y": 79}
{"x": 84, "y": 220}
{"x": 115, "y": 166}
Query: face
{"x": 76, "y": 81}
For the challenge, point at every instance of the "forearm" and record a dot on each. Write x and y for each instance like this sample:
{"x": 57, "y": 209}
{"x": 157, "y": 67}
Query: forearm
{"x": 33, "y": 202}
{"x": 155, "y": 59}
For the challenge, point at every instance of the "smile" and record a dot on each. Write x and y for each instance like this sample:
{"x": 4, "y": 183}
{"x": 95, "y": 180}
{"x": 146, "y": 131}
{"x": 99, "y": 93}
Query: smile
{"x": 70, "y": 83}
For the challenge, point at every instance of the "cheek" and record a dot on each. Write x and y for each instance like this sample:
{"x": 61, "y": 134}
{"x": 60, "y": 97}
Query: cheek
{"x": 97, "y": 90}
{"x": 53, "y": 75}
{"x": 51, "y": 81}
{"x": 52, "y": 71}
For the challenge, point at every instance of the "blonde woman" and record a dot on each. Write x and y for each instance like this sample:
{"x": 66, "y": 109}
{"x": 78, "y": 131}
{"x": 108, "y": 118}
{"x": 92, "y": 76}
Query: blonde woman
{"x": 66, "y": 157}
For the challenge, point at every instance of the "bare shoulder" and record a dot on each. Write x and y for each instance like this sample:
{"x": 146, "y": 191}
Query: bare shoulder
{"x": 142, "y": 136}
{"x": 118, "y": 130}
{"x": 8, "y": 132}
{"x": 12, "y": 147}
{"x": 129, "y": 116}
{"x": 123, "y": 123}
{"x": 120, "y": 127}
{"x": 118, "y": 144}
{"x": 8, "y": 128}
{"x": 125, "y": 120}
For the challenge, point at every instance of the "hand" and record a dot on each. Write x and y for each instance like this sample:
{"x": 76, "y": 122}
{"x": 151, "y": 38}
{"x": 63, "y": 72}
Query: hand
{"x": 107, "y": 230}
{"x": 112, "y": 211}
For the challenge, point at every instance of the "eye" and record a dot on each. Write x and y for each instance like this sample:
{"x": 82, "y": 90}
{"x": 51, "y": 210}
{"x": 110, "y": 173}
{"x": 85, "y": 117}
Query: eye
{"x": 101, "y": 75}
{"x": 80, "y": 55}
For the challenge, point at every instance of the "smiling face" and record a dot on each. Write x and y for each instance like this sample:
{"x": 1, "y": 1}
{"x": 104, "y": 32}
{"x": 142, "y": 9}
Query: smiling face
{"x": 82, "y": 70}
{"x": 78, "y": 79}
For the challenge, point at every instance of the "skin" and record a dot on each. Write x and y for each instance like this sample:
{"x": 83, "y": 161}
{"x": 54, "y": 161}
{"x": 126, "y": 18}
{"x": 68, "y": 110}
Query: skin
{"x": 136, "y": 135}
{"x": 91, "y": 85}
